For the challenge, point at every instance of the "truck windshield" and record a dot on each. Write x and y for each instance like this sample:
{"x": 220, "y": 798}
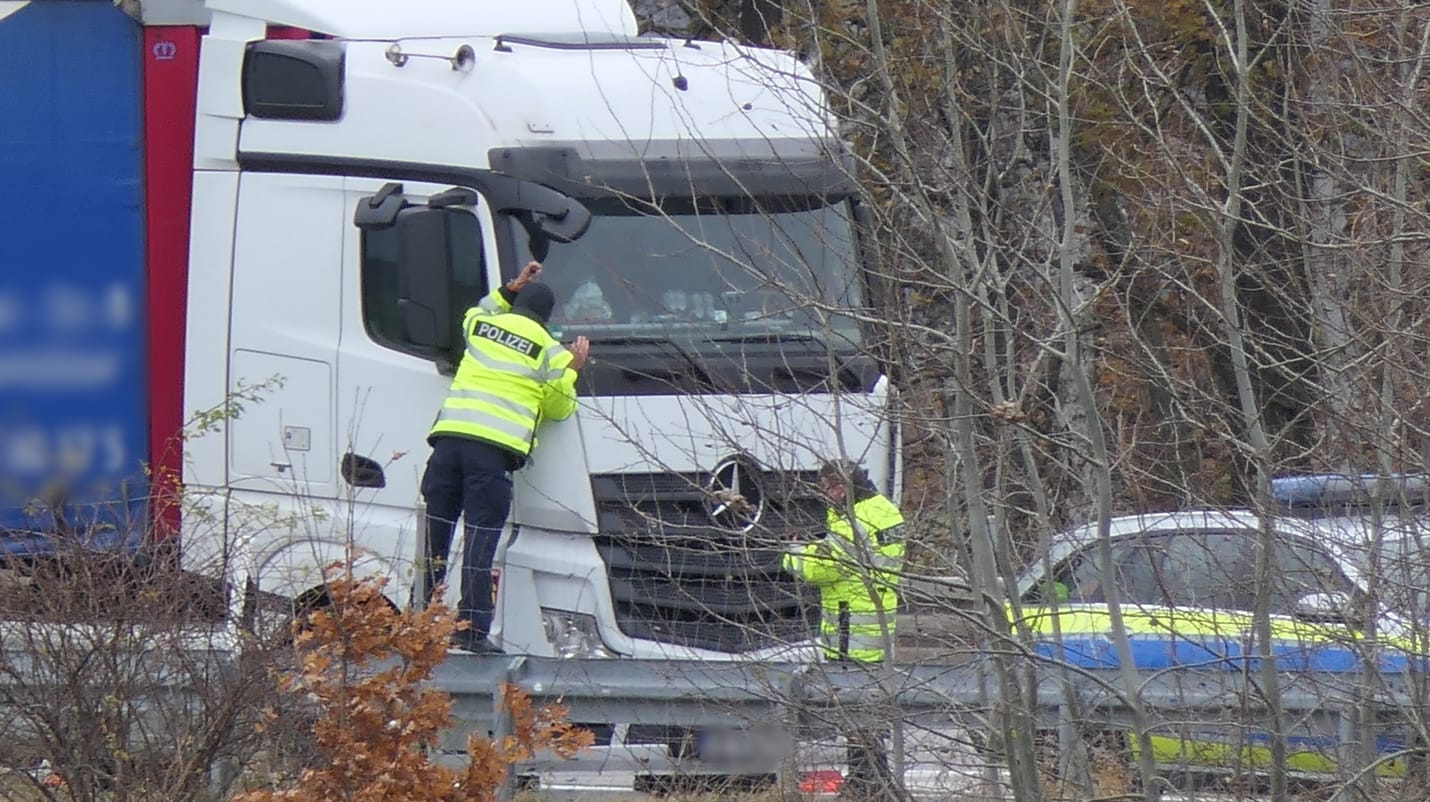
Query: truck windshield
{"x": 709, "y": 270}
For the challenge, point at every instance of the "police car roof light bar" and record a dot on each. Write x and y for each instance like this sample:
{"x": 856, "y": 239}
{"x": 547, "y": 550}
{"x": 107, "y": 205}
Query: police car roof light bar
{"x": 1327, "y": 492}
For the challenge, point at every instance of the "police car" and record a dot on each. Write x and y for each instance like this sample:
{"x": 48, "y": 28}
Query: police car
{"x": 1187, "y": 585}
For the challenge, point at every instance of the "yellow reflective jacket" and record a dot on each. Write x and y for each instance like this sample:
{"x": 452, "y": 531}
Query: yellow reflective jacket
{"x": 856, "y": 568}
{"x": 513, "y": 374}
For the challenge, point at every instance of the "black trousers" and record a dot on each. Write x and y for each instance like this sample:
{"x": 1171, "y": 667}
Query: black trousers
{"x": 471, "y": 480}
{"x": 868, "y": 777}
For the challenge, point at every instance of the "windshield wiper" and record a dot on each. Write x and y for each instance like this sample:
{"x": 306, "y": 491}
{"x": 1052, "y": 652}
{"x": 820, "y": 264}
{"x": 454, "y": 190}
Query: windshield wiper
{"x": 815, "y": 341}
{"x": 766, "y": 337}
{"x": 630, "y": 339}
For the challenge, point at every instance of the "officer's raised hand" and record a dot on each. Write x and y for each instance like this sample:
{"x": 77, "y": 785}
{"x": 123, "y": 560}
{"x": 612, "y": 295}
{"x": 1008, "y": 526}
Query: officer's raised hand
{"x": 579, "y": 351}
{"x": 530, "y": 273}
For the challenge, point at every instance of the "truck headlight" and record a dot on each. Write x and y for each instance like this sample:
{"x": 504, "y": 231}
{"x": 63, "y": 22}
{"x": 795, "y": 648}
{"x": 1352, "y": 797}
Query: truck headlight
{"x": 573, "y": 634}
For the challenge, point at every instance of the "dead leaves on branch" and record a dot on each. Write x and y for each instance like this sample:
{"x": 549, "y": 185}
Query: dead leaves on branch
{"x": 365, "y": 666}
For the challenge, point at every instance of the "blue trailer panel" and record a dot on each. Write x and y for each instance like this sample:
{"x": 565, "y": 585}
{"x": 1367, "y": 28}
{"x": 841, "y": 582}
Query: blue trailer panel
{"x": 73, "y": 403}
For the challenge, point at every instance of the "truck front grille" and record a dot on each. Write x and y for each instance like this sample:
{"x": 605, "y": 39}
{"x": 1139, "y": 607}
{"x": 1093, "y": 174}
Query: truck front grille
{"x": 677, "y": 577}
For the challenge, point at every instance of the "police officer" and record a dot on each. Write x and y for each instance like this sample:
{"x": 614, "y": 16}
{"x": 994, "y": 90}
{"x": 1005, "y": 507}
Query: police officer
{"x": 856, "y": 568}
{"x": 514, "y": 374}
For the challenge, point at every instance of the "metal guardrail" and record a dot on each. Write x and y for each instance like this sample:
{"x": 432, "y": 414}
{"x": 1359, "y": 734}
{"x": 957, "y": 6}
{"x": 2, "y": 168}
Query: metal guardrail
{"x": 812, "y": 701}
{"x": 101, "y": 690}
{"x": 660, "y": 691}
{"x": 1321, "y": 707}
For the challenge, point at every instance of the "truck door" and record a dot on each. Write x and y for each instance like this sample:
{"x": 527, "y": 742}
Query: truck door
{"x": 286, "y": 288}
{"x": 391, "y": 379}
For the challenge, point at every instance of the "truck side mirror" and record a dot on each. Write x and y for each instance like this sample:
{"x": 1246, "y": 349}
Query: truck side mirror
{"x": 422, "y": 267}
{"x": 539, "y": 246}
{"x": 538, "y": 242}
{"x": 425, "y": 275}
{"x": 379, "y": 211}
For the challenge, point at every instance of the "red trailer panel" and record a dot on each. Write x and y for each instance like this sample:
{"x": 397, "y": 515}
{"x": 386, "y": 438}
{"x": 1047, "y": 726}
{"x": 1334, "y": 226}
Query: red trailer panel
{"x": 171, "y": 74}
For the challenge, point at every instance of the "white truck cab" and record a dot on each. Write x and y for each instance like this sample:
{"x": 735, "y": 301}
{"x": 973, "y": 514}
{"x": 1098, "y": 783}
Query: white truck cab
{"x": 355, "y": 191}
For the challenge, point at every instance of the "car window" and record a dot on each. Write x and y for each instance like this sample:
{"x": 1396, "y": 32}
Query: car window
{"x": 1218, "y": 570}
{"x": 1403, "y": 574}
{"x": 1213, "y": 570}
{"x": 1084, "y": 578}
{"x": 1140, "y": 578}
{"x": 1209, "y": 570}
{"x": 1078, "y": 579}
{"x": 1074, "y": 580}
{"x": 1300, "y": 569}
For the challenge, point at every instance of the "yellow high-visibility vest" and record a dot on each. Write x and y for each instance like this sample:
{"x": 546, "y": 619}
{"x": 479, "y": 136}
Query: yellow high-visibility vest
{"x": 513, "y": 374}
{"x": 856, "y": 568}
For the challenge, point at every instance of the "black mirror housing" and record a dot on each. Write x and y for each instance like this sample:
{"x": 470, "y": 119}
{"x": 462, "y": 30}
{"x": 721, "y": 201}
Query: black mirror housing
{"x": 424, "y": 247}
{"x": 379, "y": 211}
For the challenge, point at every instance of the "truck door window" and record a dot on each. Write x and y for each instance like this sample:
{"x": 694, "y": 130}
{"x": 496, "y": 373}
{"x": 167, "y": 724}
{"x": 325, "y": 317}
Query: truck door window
{"x": 381, "y": 278}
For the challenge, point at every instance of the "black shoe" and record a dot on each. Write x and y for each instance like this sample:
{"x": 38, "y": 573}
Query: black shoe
{"x": 476, "y": 643}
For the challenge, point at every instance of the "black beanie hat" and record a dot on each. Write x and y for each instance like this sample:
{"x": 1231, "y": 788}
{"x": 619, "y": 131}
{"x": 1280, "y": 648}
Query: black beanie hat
{"x": 536, "y": 299}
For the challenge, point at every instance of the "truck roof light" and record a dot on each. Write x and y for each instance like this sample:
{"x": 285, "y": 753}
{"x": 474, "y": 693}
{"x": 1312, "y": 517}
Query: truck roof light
{"x": 464, "y": 58}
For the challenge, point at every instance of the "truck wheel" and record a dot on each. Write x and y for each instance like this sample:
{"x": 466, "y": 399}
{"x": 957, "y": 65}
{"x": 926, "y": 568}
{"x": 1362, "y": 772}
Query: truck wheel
{"x": 316, "y": 600}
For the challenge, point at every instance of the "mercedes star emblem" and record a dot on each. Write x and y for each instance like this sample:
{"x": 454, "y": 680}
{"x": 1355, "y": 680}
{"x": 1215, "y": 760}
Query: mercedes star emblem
{"x": 733, "y": 497}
